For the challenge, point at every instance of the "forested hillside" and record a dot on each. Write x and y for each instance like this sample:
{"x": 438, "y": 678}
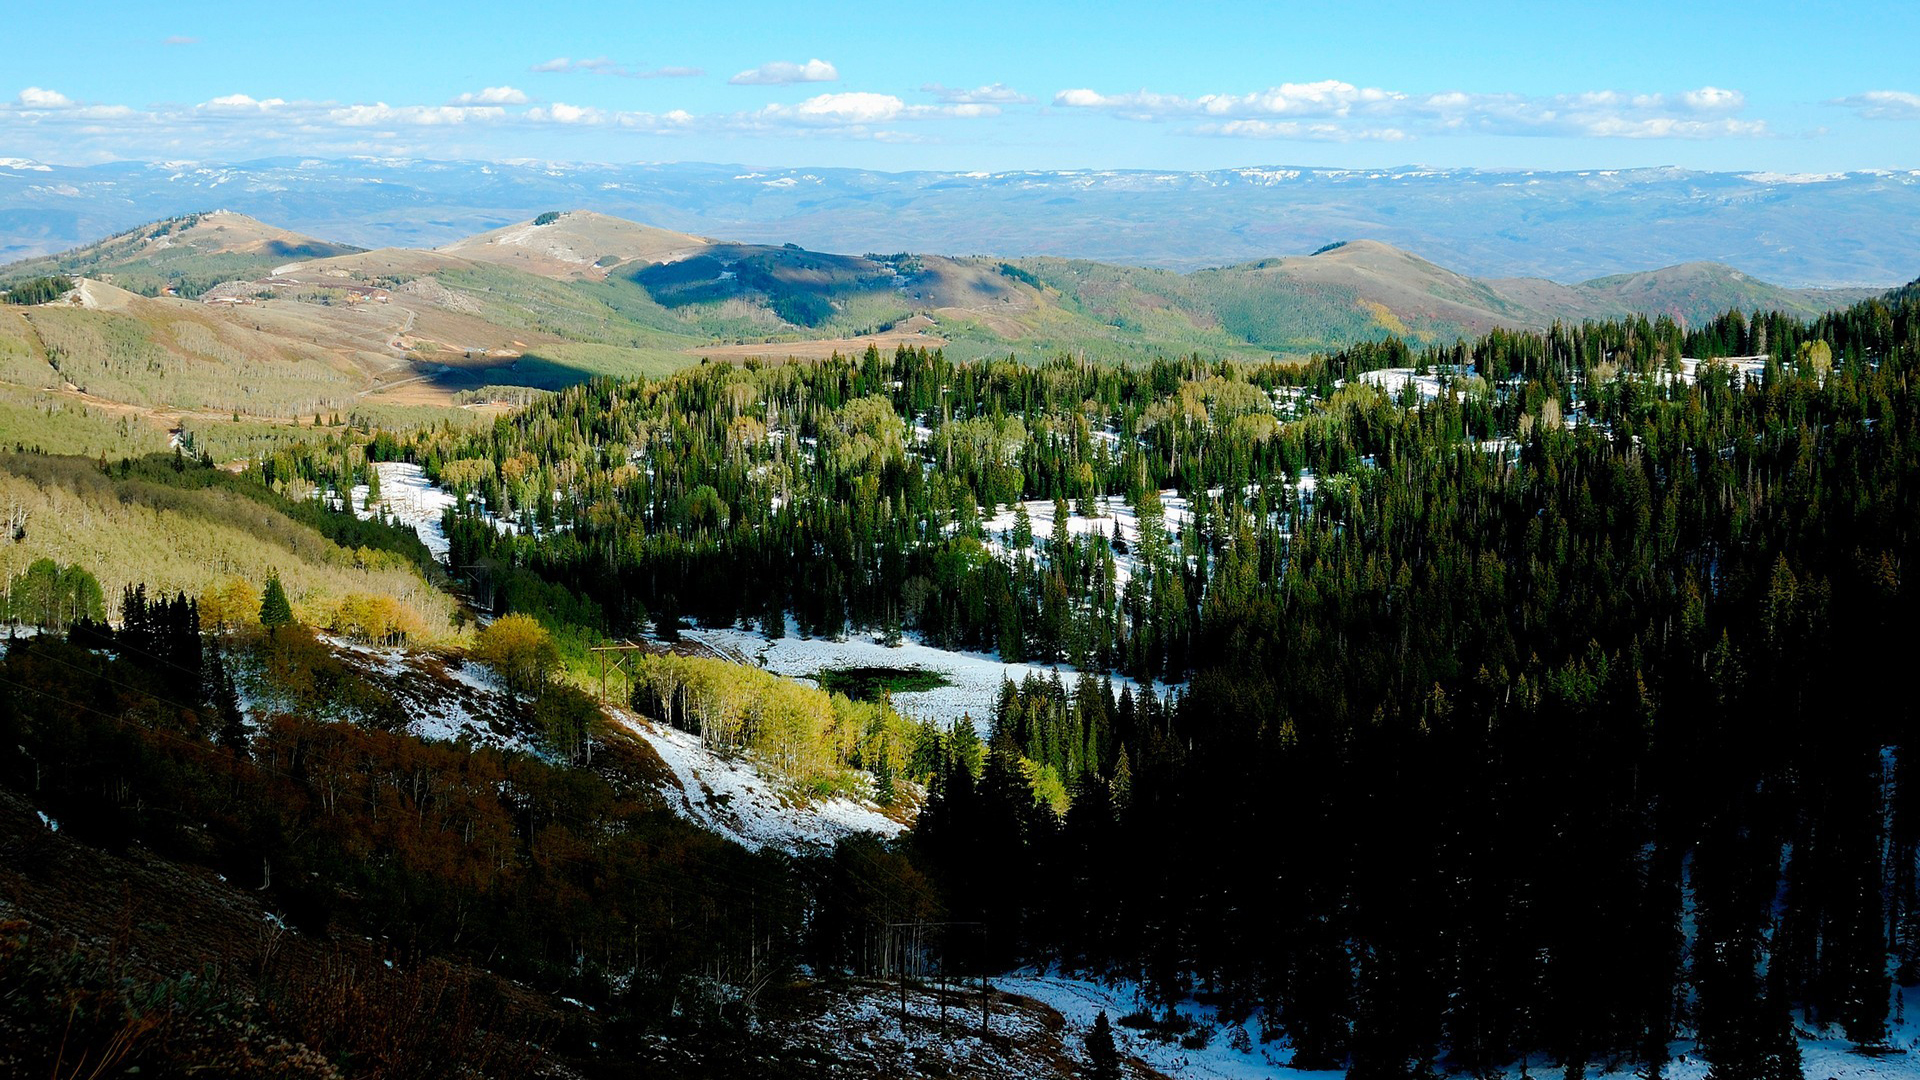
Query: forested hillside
{"x": 1544, "y": 707}
{"x": 1502, "y": 712}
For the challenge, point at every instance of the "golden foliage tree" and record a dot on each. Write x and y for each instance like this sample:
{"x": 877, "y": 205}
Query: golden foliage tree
{"x": 520, "y": 649}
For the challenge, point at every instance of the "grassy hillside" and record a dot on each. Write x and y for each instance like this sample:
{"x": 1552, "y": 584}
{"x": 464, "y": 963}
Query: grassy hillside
{"x": 187, "y": 254}
{"x": 554, "y": 301}
{"x": 1696, "y": 292}
{"x": 66, "y": 424}
{"x": 193, "y": 532}
{"x": 182, "y": 355}
{"x": 576, "y": 244}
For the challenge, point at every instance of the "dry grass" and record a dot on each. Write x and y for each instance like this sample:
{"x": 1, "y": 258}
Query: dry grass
{"x": 130, "y": 531}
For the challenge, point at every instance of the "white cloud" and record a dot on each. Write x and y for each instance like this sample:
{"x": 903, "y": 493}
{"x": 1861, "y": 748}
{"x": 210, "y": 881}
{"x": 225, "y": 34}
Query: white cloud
{"x": 1340, "y": 111}
{"x": 991, "y": 94}
{"x": 493, "y": 95}
{"x": 600, "y": 65}
{"x": 562, "y": 113}
{"x": 33, "y": 97}
{"x": 1713, "y": 99}
{"x": 1297, "y": 131}
{"x": 381, "y": 115}
{"x": 241, "y": 103}
{"x": 1883, "y": 104}
{"x": 851, "y": 108}
{"x": 785, "y": 72}
{"x": 561, "y": 65}
{"x": 180, "y": 39}
{"x": 862, "y": 107}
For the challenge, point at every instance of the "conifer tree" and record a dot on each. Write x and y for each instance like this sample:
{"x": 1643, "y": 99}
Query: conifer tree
{"x": 275, "y": 610}
{"x": 1103, "y": 1060}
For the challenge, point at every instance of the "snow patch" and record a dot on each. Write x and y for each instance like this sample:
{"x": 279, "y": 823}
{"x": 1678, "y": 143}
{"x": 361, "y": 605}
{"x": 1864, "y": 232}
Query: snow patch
{"x": 730, "y": 796}
{"x": 973, "y": 678}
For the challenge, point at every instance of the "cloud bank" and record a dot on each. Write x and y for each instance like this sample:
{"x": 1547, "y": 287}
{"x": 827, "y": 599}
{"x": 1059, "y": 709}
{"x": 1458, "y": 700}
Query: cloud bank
{"x": 785, "y": 72}
{"x": 1332, "y": 110}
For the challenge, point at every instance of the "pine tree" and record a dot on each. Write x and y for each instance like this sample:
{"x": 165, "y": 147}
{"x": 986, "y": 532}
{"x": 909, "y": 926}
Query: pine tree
{"x": 224, "y": 696}
{"x": 275, "y": 610}
{"x": 1103, "y": 1060}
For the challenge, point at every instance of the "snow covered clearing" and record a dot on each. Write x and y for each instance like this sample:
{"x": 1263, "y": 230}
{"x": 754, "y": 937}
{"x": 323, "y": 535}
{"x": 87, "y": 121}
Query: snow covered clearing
{"x": 1113, "y": 515}
{"x": 973, "y": 678}
{"x": 1429, "y": 386}
{"x": 1079, "y": 1001}
{"x": 409, "y": 498}
{"x": 1825, "y": 1053}
{"x": 1743, "y": 368}
{"x": 728, "y": 795}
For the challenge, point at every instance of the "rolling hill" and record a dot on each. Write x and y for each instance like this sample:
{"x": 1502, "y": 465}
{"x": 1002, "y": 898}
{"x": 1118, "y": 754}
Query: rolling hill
{"x": 1835, "y": 229}
{"x": 215, "y": 315}
{"x": 183, "y": 255}
{"x": 576, "y": 244}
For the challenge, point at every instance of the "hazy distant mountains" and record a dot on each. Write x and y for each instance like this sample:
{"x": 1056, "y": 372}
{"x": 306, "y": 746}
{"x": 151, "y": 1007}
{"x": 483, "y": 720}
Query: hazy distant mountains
{"x": 1838, "y": 229}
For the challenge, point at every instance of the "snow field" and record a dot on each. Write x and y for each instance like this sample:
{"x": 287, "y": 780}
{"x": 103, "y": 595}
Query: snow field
{"x": 1825, "y": 1054}
{"x": 728, "y": 795}
{"x": 974, "y": 678}
{"x": 409, "y": 498}
{"x": 1079, "y": 1001}
{"x": 1113, "y": 512}
{"x": 1429, "y": 386}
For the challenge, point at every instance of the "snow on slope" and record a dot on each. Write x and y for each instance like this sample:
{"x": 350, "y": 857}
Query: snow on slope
{"x": 1391, "y": 381}
{"x": 1825, "y": 1054}
{"x": 443, "y": 697}
{"x": 729, "y": 796}
{"x": 1079, "y": 1001}
{"x": 1114, "y": 514}
{"x": 974, "y": 678}
{"x": 410, "y": 499}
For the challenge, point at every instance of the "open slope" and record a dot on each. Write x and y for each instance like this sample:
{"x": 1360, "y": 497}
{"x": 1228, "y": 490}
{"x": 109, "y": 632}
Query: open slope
{"x": 186, "y": 254}
{"x": 1366, "y": 289}
{"x": 577, "y": 244}
{"x": 284, "y": 325}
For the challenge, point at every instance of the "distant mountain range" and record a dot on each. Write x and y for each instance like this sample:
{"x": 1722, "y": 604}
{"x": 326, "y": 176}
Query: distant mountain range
{"x": 219, "y": 313}
{"x": 1852, "y": 229}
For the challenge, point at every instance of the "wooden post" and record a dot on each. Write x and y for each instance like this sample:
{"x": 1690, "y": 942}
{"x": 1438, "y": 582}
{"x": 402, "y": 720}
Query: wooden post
{"x": 986, "y": 1006}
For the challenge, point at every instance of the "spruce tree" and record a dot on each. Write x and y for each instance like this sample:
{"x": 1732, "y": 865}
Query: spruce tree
{"x": 275, "y": 610}
{"x": 1103, "y": 1060}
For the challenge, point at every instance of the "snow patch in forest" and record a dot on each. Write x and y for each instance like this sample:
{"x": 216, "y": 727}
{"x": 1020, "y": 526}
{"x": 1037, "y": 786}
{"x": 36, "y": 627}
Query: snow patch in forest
{"x": 1744, "y": 368}
{"x": 1079, "y": 1001}
{"x": 444, "y": 698}
{"x": 1825, "y": 1054}
{"x": 973, "y": 678}
{"x": 1112, "y": 514}
{"x": 728, "y": 795}
{"x": 1429, "y": 386}
{"x": 408, "y": 497}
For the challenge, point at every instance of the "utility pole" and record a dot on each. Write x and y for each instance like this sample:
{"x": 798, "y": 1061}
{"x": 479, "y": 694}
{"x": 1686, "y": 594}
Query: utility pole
{"x": 621, "y": 652}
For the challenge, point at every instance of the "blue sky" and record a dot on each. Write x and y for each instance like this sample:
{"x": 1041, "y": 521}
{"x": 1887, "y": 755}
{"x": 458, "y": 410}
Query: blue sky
{"x": 1764, "y": 85}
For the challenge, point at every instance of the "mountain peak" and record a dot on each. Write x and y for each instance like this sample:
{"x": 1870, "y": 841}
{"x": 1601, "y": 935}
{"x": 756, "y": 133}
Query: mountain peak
{"x": 577, "y": 244}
